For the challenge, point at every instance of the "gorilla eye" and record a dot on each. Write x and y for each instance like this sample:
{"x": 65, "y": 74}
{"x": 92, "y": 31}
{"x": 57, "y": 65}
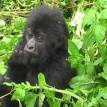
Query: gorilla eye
{"x": 39, "y": 38}
{"x": 30, "y": 35}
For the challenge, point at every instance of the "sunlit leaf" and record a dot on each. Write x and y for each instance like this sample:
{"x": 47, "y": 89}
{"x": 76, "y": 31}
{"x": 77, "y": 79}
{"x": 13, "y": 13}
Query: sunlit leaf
{"x": 104, "y": 14}
{"x": 41, "y": 99}
{"x": 103, "y": 92}
{"x": 99, "y": 33}
{"x": 89, "y": 16}
{"x": 89, "y": 38}
{"x": 30, "y": 99}
{"x": 73, "y": 49}
{"x": 19, "y": 94}
{"x": 41, "y": 80}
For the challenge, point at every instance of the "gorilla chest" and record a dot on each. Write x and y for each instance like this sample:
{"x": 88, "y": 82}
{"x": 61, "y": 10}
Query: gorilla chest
{"x": 32, "y": 77}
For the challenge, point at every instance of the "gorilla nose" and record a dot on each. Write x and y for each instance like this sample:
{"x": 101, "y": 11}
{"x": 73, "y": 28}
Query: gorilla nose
{"x": 29, "y": 48}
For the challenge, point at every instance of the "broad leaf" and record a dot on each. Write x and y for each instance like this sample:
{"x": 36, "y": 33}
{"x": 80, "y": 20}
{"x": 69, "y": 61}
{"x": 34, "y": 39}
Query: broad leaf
{"x": 89, "y": 16}
{"x": 99, "y": 33}
{"x": 41, "y": 80}
{"x": 73, "y": 49}
{"x": 103, "y": 93}
{"x": 89, "y": 38}
{"x": 104, "y": 14}
{"x": 41, "y": 99}
{"x": 19, "y": 94}
{"x": 30, "y": 99}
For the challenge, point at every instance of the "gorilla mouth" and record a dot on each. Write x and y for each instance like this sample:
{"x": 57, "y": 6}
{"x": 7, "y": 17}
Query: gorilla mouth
{"x": 31, "y": 57}
{"x": 25, "y": 57}
{"x": 33, "y": 53}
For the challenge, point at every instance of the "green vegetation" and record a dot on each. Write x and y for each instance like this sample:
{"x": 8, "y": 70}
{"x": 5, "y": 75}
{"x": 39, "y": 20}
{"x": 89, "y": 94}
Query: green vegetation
{"x": 87, "y": 23}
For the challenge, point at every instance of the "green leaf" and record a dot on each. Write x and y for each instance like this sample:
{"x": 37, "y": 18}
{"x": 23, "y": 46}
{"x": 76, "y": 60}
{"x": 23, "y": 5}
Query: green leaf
{"x": 78, "y": 104}
{"x": 104, "y": 14}
{"x": 75, "y": 57}
{"x": 103, "y": 92}
{"x": 82, "y": 82}
{"x": 19, "y": 94}
{"x": 41, "y": 99}
{"x": 73, "y": 49}
{"x": 66, "y": 97}
{"x": 18, "y": 23}
{"x": 103, "y": 3}
{"x": 2, "y": 23}
{"x": 93, "y": 102}
{"x": 99, "y": 33}
{"x": 89, "y": 16}
{"x": 103, "y": 50}
{"x": 78, "y": 43}
{"x": 104, "y": 74}
{"x": 20, "y": 105}
{"x": 56, "y": 103}
{"x": 49, "y": 94}
{"x": 81, "y": 69}
{"x": 2, "y": 68}
{"x": 53, "y": 102}
{"x": 103, "y": 103}
{"x": 89, "y": 38}
{"x": 98, "y": 61}
{"x": 41, "y": 80}
{"x": 30, "y": 99}
{"x": 50, "y": 102}
{"x": 105, "y": 67}
{"x": 90, "y": 69}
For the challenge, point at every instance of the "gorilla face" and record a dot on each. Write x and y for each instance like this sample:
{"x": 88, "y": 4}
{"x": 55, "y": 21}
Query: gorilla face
{"x": 44, "y": 34}
{"x": 40, "y": 44}
{"x": 36, "y": 45}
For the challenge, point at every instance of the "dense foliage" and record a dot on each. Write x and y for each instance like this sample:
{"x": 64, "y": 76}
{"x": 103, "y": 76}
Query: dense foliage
{"x": 87, "y": 22}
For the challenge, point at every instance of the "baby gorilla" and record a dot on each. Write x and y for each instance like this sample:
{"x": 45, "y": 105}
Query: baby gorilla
{"x": 43, "y": 48}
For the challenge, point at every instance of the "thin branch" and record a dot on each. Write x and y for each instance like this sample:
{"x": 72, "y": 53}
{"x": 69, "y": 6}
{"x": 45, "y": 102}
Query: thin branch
{"x": 74, "y": 5}
{"x": 49, "y": 89}
{"x": 60, "y": 91}
{"x": 21, "y": 12}
{"x": 5, "y": 95}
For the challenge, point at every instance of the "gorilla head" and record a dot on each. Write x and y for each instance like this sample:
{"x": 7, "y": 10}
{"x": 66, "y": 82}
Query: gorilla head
{"x": 45, "y": 33}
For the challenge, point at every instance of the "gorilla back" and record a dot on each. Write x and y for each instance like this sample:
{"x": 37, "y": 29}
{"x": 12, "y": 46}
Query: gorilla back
{"x": 43, "y": 47}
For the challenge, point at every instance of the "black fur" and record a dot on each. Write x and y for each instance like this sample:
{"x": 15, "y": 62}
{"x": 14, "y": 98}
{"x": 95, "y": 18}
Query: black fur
{"x": 43, "y": 48}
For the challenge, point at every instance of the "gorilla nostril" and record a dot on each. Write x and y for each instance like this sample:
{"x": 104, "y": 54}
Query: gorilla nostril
{"x": 30, "y": 47}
